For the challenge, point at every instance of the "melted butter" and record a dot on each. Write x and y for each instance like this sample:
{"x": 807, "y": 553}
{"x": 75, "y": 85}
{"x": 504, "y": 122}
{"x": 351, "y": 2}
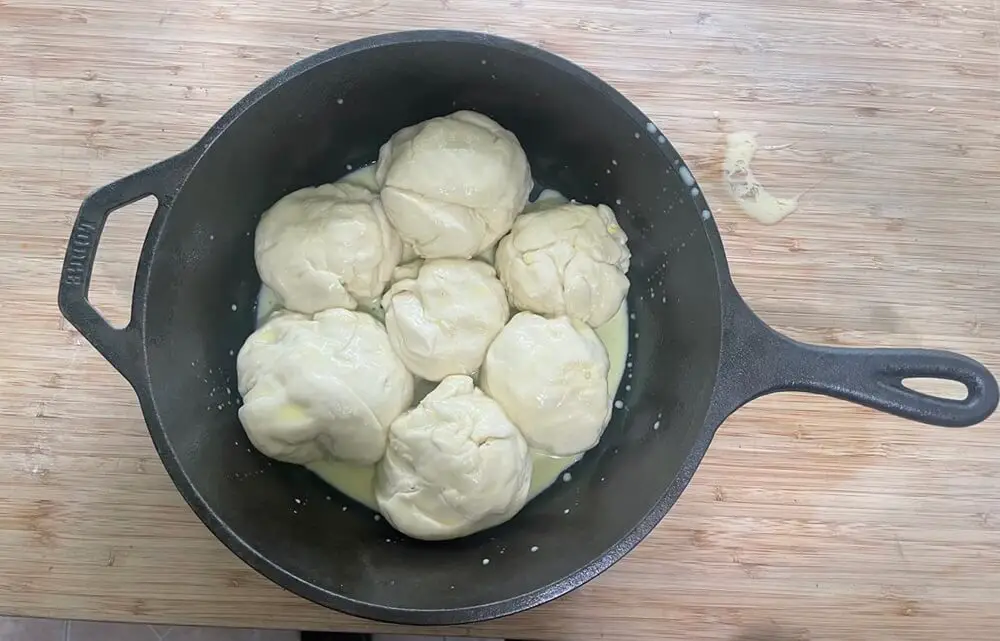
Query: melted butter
{"x": 358, "y": 481}
{"x": 614, "y": 335}
{"x": 546, "y": 470}
{"x": 363, "y": 177}
{"x": 267, "y": 303}
{"x": 292, "y": 413}
{"x": 355, "y": 481}
{"x": 547, "y": 198}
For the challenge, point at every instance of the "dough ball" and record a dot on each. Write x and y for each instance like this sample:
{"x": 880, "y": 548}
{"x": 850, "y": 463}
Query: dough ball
{"x": 455, "y": 465}
{"x": 550, "y": 375}
{"x": 452, "y": 186}
{"x": 442, "y": 318}
{"x": 327, "y": 246}
{"x": 326, "y": 386}
{"x": 566, "y": 260}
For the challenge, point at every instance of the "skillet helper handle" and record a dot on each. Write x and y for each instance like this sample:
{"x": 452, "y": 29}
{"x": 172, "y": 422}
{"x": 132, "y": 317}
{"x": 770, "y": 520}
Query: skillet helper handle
{"x": 757, "y": 360}
{"x": 120, "y": 346}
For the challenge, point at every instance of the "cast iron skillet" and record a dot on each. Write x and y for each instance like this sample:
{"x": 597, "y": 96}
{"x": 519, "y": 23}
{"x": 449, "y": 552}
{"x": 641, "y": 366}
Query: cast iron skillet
{"x": 697, "y": 352}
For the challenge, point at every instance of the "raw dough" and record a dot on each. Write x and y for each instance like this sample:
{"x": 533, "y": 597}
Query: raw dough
{"x": 327, "y": 246}
{"x": 452, "y": 186}
{"x": 744, "y": 187}
{"x": 551, "y": 378}
{"x": 455, "y": 465}
{"x": 441, "y": 319}
{"x": 569, "y": 260}
{"x": 322, "y": 386}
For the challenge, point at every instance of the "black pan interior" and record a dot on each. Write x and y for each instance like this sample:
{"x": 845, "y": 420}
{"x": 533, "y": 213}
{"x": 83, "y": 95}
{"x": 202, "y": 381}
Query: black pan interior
{"x": 582, "y": 139}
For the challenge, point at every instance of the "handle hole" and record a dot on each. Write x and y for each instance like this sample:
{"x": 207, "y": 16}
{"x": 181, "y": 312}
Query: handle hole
{"x": 938, "y": 387}
{"x": 117, "y": 259}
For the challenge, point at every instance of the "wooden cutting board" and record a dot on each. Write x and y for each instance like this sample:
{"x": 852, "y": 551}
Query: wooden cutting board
{"x": 809, "y": 519}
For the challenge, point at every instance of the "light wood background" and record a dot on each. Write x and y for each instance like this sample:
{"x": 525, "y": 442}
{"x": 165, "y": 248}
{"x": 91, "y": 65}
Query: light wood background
{"x": 809, "y": 519}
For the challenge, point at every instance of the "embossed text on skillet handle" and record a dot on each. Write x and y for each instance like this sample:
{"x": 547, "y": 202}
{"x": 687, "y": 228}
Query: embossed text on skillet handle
{"x": 121, "y": 346}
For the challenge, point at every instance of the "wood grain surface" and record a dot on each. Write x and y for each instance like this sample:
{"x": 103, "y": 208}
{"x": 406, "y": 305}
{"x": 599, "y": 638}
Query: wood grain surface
{"x": 809, "y": 518}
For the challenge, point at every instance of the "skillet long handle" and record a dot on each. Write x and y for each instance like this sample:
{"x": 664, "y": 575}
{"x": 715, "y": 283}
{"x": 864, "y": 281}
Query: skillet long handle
{"x": 757, "y": 360}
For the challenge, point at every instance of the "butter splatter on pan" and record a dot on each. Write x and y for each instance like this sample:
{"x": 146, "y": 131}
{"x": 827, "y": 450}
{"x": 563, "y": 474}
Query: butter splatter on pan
{"x": 745, "y": 188}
